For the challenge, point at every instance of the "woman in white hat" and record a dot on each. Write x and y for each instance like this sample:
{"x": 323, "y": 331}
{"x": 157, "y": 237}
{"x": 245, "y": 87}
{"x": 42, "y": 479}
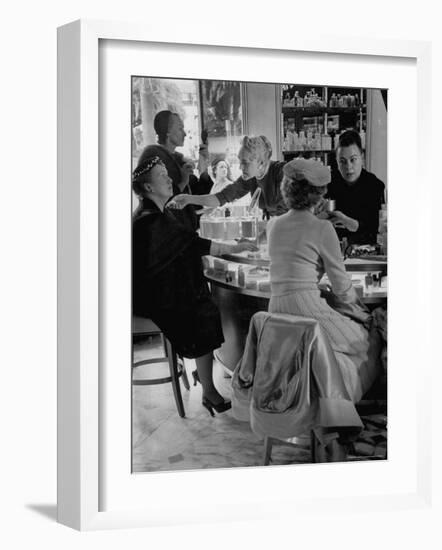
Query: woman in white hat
{"x": 302, "y": 248}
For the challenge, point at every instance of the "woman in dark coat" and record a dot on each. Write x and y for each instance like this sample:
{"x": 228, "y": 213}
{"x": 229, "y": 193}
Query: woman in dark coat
{"x": 168, "y": 280}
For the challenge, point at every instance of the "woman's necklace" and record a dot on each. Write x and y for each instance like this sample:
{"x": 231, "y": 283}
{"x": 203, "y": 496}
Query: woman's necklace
{"x": 263, "y": 173}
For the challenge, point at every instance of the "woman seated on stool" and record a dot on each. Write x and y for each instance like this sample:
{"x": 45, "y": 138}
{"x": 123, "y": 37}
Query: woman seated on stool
{"x": 168, "y": 280}
{"x": 301, "y": 248}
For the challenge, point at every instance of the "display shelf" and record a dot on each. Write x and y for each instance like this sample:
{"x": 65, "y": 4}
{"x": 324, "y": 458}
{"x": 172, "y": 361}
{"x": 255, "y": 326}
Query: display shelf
{"x": 374, "y": 298}
{"x": 304, "y": 126}
{"x": 295, "y": 151}
{"x": 318, "y": 111}
{"x": 351, "y": 264}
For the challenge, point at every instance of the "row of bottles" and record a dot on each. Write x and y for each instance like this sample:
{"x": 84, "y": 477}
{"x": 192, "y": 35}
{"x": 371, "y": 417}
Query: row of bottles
{"x": 346, "y": 100}
{"x": 226, "y": 224}
{"x": 302, "y": 141}
{"x": 306, "y": 141}
{"x": 292, "y": 98}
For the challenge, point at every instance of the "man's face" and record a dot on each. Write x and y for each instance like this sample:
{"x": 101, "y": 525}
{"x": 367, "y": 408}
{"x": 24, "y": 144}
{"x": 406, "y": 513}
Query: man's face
{"x": 349, "y": 161}
{"x": 249, "y": 166}
{"x": 176, "y": 133}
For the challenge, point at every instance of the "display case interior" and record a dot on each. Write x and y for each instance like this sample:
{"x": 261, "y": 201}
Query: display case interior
{"x": 314, "y": 116}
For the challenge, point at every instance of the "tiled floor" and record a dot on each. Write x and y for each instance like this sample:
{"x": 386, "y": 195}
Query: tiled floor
{"x": 164, "y": 441}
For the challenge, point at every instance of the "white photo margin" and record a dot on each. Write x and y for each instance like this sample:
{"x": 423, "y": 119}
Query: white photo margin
{"x": 82, "y": 477}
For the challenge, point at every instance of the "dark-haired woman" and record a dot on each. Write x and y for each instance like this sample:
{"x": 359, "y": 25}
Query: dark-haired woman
{"x": 168, "y": 283}
{"x": 302, "y": 248}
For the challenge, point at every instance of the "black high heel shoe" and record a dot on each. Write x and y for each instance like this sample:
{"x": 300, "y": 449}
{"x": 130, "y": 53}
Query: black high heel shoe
{"x": 220, "y": 408}
{"x": 195, "y": 377}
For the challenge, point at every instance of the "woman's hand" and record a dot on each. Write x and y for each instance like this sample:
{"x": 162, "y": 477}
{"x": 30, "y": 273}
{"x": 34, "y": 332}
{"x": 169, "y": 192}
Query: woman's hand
{"x": 339, "y": 219}
{"x": 179, "y": 202}
{"x": 243, "y": 246}
{"x": 221, "y": 249}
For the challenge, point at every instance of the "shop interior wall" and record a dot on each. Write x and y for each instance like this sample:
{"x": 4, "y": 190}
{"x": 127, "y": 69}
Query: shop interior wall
{"x": 376, "y": 160}
{"x": 263, "y": 112}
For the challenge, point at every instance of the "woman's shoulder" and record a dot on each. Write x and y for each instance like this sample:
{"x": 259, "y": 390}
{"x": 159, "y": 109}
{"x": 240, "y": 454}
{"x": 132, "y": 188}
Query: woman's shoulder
{"x": 158, "y": 151}
{"x": 146, "y": 217}
{"x": 318, "y": 226}
{"x": 325, "y": 226}
{"x": 281, "y": 220}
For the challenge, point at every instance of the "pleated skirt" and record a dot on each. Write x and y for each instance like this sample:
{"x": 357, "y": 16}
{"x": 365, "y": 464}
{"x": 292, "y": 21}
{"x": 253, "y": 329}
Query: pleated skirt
{"x": 356, "y": 348}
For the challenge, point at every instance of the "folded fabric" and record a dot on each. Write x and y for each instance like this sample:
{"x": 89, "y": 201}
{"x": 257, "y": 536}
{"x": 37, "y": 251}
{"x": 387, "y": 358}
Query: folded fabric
{"x": 288, "y": 380}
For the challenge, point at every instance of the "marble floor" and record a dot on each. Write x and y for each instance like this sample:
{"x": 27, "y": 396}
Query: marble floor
{"x": 162, "y": 441}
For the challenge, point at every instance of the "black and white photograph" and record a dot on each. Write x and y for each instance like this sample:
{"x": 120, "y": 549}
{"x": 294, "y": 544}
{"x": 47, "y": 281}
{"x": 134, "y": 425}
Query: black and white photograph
{"x": 259, "y": 273}
{"x": 223, "y": 236}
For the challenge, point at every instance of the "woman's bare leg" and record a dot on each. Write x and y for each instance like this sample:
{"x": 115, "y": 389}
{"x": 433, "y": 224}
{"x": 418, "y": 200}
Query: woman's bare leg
{"x": 204, "y": 365}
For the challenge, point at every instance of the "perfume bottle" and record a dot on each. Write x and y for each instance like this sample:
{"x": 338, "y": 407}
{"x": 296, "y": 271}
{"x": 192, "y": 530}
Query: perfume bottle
{"x": 241, "y": 276}
{"x": 369, "y": 282}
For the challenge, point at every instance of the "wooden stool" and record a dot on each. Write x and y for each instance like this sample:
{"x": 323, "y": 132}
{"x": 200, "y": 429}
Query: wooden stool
{"x": 146, "y": 327}
{"x": 302, "y": 442}
{"x": 330, "y": 450}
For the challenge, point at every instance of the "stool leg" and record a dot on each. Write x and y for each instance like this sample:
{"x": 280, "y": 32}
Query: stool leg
{"x": 173, "y": 367}
{"x": 313, "y": 446}
{"x": 163, "y": 341}
{"x": 268, "y": 443}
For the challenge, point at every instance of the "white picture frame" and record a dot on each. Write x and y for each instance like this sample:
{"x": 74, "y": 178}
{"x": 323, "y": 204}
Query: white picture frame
{"x": 81, "y": 296}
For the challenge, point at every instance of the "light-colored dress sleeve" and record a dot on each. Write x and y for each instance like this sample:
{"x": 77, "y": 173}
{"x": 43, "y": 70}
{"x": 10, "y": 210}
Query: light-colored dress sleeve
{"x": 331, "y": 255}
{"x": 343, "y": 298}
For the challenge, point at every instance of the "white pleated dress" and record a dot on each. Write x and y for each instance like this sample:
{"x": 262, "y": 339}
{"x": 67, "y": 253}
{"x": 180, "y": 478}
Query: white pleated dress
{"x": 301, "y": 248}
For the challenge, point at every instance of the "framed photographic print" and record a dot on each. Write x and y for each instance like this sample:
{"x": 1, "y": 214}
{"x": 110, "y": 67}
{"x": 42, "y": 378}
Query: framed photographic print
{"x": 205, "y": 110}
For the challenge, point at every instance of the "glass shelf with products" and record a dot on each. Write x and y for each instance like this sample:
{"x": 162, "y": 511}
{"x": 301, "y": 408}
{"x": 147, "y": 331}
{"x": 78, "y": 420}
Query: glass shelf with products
{"x": 316, "y": 111}
{"x": 313, "y": 117}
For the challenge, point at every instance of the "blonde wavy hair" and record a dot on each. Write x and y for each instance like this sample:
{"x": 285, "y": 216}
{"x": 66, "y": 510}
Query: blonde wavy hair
{"x": 257, "y": 147}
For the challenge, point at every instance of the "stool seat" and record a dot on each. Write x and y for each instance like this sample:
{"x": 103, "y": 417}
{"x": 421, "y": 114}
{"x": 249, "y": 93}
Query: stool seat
{"x": 142, "y": 326}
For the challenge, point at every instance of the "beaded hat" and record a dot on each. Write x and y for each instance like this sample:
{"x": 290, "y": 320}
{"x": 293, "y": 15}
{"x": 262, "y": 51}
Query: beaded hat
{"x": 145, "y": 167}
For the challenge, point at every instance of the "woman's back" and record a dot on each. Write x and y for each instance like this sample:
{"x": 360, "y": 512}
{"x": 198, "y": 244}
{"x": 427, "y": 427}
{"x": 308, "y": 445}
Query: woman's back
{"x": 301, "y": 248}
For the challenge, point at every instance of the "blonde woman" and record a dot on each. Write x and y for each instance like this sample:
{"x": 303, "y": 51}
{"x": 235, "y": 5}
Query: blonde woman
{"x": 258, "y": 171}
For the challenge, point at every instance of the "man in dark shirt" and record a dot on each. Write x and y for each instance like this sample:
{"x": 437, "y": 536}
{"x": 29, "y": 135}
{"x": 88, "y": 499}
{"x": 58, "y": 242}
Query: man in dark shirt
{"x": 358, "y": 193}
